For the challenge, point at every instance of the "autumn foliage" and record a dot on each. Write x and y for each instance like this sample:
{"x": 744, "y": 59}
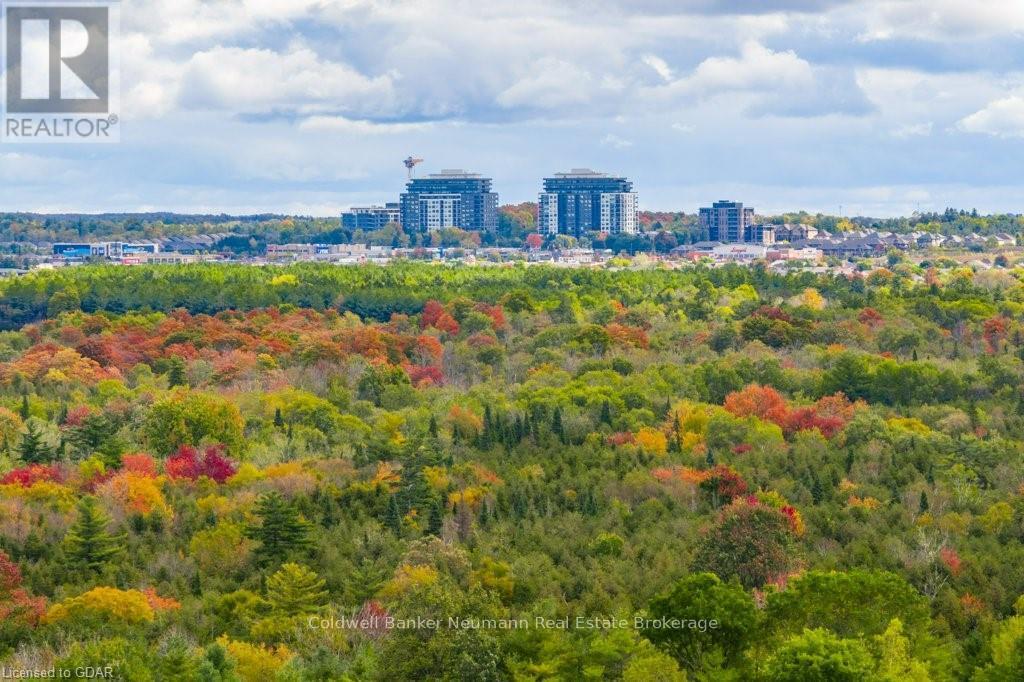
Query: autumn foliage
{"x": 188, "y": 463}
{"x": 829, "y": 414}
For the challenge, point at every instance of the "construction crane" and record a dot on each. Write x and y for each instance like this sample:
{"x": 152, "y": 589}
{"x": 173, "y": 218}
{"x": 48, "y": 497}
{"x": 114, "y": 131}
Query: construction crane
{"x": 410, "y": 163}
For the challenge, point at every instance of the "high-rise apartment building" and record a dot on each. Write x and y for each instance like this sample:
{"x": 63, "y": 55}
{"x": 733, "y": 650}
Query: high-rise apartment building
{"x": 451, "y": 198}
{"x": 583, "y": 200}
{"x": 368, "y": 218}
{"x": 727, "y": 221}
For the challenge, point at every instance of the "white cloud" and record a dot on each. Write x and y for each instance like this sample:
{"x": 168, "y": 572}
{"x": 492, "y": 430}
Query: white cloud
{"x": 1002, "y": 118}
{"x": 945, "y": 20}
{"x": 615, "y": 142}
{"x": 765, "y": 82}
{"x": 913, "y": 130}
{"x": 340, "y": 124}
{"x": 551, "y": 84}
{"x": 250, "y": 80}
{"x": 659, "y": 66}
{"x": 757, "y": 68}
{"x": 683, "y": 127}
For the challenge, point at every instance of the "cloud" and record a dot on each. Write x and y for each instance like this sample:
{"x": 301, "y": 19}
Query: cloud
{"x": 1001, "y": 118}
{"x": 659, "y": 66}
{"x": 909, "y": 130}
{"x": 683, "y": 127}
{"x": 766, "y": 82}
{"x": 615, "y": 142}
{"x": 340, "y": 124}
{"x": 757, "y": 67}
{"x": 551, "y": 84}
{"x": 249, "y": 80}
{"x": 942, "y": 20}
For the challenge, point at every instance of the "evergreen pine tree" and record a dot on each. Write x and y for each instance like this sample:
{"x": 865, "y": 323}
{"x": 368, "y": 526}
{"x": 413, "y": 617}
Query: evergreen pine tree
{"x": 278, "y": 418}
{"x": 556, "y": 425}
{"x": 32, "y": 449}
{"x": 432, "y": 428}
{"x": 216, "y": 665}
{"x": 973, "y": 413}
{"x": 281, "y": 531}
{"x": 295, "y": 590}
{"x": 709, "y": 459}
{"x": 24, "y": 411}
{"x": 486, "y": 436}
{"x": 436, "y": 520}
{"x": 923, "y": 504}
{"x": 817, "y": 493}
{"x": 393, "y": 520}
{"x": 87, "y": 543}
{"x": 176, "y": 372}
{"x": 606, "y": 413}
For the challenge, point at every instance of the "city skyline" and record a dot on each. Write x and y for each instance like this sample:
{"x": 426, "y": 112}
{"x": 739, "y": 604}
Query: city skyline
{"x": 308, "y": 107}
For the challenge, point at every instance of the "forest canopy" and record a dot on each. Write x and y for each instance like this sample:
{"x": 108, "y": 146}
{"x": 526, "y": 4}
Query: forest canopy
{"x": 229, "y": 472}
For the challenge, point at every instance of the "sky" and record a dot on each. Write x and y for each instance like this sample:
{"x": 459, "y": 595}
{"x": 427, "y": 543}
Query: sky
{"x": 864, "y": 107}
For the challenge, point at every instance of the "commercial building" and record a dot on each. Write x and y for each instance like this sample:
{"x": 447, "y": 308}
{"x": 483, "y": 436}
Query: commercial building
{"x": 77, "y": 250}
{"x": 451, "y": 198}
{"x": 103, "y": 249}
{"x": 369, "y": 218}
{"x": 727, "y": 221}
{"x": 583, "y": 200}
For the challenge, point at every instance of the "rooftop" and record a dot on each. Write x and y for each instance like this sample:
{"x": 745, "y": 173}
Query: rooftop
{"x": 453, "y": 173}
{"x": 582, "y": 173}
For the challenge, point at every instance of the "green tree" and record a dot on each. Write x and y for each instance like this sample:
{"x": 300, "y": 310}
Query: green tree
{"x": 820, "y": 656}
{"x": 282, "y": 530}
{"x": 176, "y": 372}
{"x": 87, "y": 543}
{"x": 704, "y": 596}
{"x": 295, "y": 590}
{"x": 189, "y": 418}
{"x": 33, "y": 449}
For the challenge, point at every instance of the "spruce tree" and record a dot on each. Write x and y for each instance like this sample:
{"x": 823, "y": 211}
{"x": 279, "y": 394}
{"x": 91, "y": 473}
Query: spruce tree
{"x": 817, "y": 493}
{"x": 606, "y": 413}
{"x": 281, "y": 531}
{"x": 436, "y": 521}
{"x": 176, "y": 372}
{"x": 295, "y": 590}
{"x": 32, "y": 449}
{"x": 556, "y": 425}
{"x": 24, "y": 411}
{"x": 87, "y": 543}
{"x": 923, "y": 504}
{"x": 278, "y": 418}
{"x": 432, "y": 427}
{"x": 393, "y": 520}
